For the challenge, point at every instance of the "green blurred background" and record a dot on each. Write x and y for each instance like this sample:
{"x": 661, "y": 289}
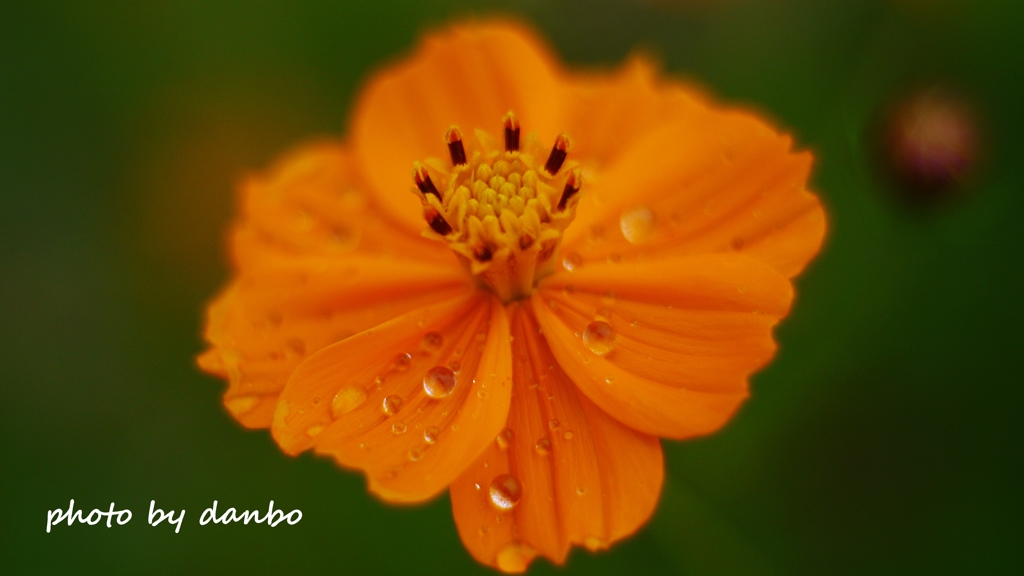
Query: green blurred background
{"x": 885, "y": 438}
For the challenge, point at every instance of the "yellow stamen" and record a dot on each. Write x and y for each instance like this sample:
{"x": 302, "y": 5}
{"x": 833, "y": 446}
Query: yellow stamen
{"x": 500, "y": 210}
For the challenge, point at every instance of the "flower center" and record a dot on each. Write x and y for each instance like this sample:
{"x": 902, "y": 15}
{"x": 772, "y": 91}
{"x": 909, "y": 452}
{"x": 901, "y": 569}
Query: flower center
{"x": 498, "y": 208}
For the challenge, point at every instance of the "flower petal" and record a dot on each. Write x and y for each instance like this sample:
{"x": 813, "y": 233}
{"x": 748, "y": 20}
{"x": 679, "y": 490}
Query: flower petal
{"x": 698, "y": 180}
{"x": 688, "y": 331}
{"x": 469, "y": 76}
{"x": 585, "y": 478}
{"x": 608, "y": 113}
{"x": 268, "y": 321}
{"x": 313, "y": 202}
{"x": 316, "y": 263}
{"x": 363, "y": 400}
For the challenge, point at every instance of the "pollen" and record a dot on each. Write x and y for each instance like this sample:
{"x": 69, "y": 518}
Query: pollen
{"x": 502, "y": 208}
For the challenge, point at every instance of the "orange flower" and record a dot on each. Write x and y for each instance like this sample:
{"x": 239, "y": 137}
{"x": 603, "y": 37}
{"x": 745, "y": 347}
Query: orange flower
{"x": 524, "y": 326}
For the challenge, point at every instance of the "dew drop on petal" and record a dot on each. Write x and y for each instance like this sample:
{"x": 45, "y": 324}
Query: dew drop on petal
{"x": 432, "y": 341}
{"x": 295, "y": 348}
{"x": 391, "y": 404}
{"x": 567, "y": 435}
{"x": 241, "y": 404}
{"x": 415, "y": 453}
{"x": 637, "y": 224}
{"x": 543, "y": 446}
{"x": 347, "y": 400}
{"x": 599, "y": 337}
{"x": 513, "y": 558}
{"x": 402, "y": 362}
{"x": 399, "y": 428}
{"x": 554, "y": 424}
{"x": 314, "y": 430}
{"x": 430, "y": 435}
{"x": 505, "y": 492}
{"x": 504, "y": 438}
{"x": 455, "y": 366}
{"x": 439, "y": 382}
{"x": 571, "y": 261}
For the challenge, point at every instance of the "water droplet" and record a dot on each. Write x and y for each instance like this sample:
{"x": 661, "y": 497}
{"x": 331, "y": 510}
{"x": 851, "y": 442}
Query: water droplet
{"x": 455, "y": 427}
{"x": 314, "y": 430}
{"x": 637, "y": 224}
{"x": 481, "y": 394}
{"x": 391, "y": 404}
{"x": 439, "y": 382}
{"x": 432, "y": 341}
{"x": 241, "y": 404}
{"x": 415, "y": 453}
{"x": 554, "y": 424}
{"x": 599, "y": 337}
{"x": 347, "y": 400}
{"x": 402, "y": 362}
{"x": 514, "y": 558}
{"x": 567, "y": 435}
{"x": 568, "y": 289}
{"x": 295, "y": 348}
{"x": 484, "y": 530}
{"x": 430, "y": 435}
{"x": 476, "y": 485}
{"x": 580, "y": 490}
{"x": 604, "y": 313}
{"x": 543, "y": 446}
{"x": 455, "y": 366}
{"x": 609, "y": 298}
{"x": 505, "y": 492}
{"x": 399, "y": 428}
{"x": 571, "y": 261}
{"x": 609, "y": 380}
{"x": 504, "y": 438}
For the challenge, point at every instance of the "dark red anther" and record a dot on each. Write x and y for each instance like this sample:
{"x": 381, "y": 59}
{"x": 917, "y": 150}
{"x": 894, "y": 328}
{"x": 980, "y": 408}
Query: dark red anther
{"x": 455, "y": 148}
{"x": 436, "y": 222}
{"x": 511, "y": 132}
{"x": 525, "y": 241}
{"x": 482, "y": 252}
{"x": 558, "y": 153}
{"x": 423, "y": 181}
{"x": 572, "y": 186}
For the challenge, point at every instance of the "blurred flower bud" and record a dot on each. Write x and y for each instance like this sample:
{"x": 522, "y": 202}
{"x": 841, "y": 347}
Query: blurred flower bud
{"x": 931, "y": 142}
